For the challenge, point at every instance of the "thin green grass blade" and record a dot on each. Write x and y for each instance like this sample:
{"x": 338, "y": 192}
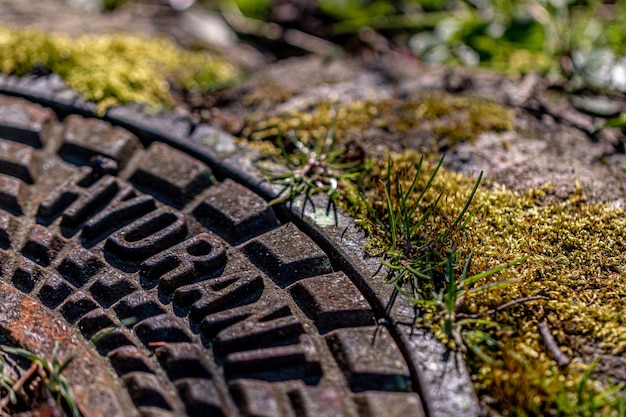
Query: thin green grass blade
{"x": 370, "y": 210}
{"x": 65, "y": 391}
{"x": 418, "y": 225}
{"x": 68, "y": 361}
{"x": 22, "y": 352}
{"x": 418, "y": 273}
{"x": 277, "y": 177}
{"x": 615, "y": 122}
{"x": 480, "y": 322}
{"x": 405, "y": 196}
{"x": 420, "y": 222}
{"x": 604, "y": 397}
{"x": 491, "y": 286}
{"x": 418, "y": 173}
{"x": 485, "y": 338}
{"x": 468, "y": 219}
{"x": 391, "y": 218}
{"x": 465, "y": 271}
{"x": 586, "y": 375}
{"x": 390, "y": 265}
{"x": 55, "y": 352}
{"x": 469, "y": 200}
{"x": 350, "y": 175}
{"x": 429, "y": 183}
{"x": 495, "y": 270}
{"x": 475, "y": 348}
{"x": 451, "y": 295}
{"x": 399, "y": 192}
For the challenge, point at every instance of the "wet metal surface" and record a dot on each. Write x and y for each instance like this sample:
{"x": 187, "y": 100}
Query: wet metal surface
{"x": 191, "y": 297}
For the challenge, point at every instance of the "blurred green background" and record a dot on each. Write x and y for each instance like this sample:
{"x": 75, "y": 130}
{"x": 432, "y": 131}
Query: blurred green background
{"x": 580, "y": 43}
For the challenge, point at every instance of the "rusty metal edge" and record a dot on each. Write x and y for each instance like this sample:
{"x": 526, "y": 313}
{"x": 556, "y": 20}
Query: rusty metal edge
{"x": 95, "y": 392}
{"x": 440, "y": 376}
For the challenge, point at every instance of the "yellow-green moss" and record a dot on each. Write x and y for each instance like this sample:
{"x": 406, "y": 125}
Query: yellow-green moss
{"x": 113, "y": 69}
{"x": 446, "y": 117}
{"x": 577, "y": 260}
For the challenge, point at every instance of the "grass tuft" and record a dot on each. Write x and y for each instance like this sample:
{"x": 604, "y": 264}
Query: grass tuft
{"x": 315, "y": 165}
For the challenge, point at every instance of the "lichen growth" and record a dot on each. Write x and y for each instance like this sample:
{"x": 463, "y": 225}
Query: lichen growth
{"x": 113, "y": 69}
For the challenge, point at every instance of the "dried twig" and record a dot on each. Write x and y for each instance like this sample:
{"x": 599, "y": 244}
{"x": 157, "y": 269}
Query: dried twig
{"x": 561, "y": 358}
{"x": 34, "y": 368}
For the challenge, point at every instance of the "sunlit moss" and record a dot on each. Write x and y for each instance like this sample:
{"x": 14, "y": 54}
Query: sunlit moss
{"x": 446, "y": 117}
{"x": 113, "y": 69}
{"x": 577, "y": 261}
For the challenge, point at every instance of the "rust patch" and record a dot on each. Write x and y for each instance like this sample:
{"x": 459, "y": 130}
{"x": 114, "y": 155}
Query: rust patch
{"x": 29, "y": 325}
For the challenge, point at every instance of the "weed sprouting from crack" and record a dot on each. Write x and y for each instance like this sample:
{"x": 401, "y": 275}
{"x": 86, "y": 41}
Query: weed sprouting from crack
{"x": 319, "y": 165}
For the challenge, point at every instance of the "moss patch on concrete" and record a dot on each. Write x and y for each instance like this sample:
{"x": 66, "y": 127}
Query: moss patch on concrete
{"x": 577, "y": 259}
{"x": 444, "y": 117}
{"x": 576, "y": 263}
{"x": 113, "y": 69}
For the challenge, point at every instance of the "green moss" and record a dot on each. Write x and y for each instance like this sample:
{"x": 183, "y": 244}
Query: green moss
{"x": 444, "y": 117}
{"x": 577, "y": 261}
{"x": 113, "y": 68}
{"x": 521, "y": 61}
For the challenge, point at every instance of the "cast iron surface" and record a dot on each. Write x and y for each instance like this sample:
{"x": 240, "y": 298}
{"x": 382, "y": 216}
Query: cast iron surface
{"x": 158, "y": 233}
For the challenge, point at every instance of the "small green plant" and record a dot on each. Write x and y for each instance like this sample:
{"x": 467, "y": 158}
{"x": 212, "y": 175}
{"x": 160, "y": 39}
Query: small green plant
{"x": 462, "y": 328}
{"x": 52, "y": 369}
{"x": 318, "y": 165}
{"x": 6, "y": 383}
{"x": 415, "y": 239}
